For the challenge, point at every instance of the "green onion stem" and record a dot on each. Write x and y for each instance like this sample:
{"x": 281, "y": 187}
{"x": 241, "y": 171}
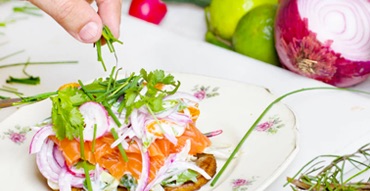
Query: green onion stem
{"x": 36, "y": 63}
{"x": 94, "y": 139}
{"x": 84, "y": 90}
{"x": 114, "y": 117}
{"x": 82, "y": 150}
{"x": 120, "y": 147}
{"x": 11, "y": 91}
{"x": 10, "y": 55}
{"x": 250, "y": 130}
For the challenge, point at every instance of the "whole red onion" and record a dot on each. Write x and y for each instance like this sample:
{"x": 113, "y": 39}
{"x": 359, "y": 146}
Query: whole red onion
{"x": 327, "y": 40}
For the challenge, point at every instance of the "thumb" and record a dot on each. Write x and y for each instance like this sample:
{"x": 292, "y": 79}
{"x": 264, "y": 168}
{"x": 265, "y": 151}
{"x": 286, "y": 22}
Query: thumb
{"x": 77, "y": 17}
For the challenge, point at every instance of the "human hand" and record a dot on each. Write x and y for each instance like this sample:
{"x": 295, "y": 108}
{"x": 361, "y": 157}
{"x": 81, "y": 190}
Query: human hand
{"x": 80, "y": 20}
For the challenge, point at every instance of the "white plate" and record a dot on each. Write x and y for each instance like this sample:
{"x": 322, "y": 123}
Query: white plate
{"x": 227, "y": 105}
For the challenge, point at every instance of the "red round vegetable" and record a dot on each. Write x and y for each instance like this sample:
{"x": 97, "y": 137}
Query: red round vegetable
{"x": 325, "y": 40}
{"x": 152, "y": 11}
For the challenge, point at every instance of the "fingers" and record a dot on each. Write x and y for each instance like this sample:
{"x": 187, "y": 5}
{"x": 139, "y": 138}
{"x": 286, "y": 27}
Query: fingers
{"x": 77, "y": 17}
{"x": 110, "y": 13}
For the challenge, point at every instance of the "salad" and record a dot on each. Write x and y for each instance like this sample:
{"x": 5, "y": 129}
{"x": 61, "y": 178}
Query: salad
{"x": 137, "y": 133}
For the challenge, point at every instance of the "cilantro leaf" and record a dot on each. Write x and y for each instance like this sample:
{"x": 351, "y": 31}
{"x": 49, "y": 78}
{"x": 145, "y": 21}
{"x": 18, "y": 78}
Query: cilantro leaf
{"x": 66, "y": 117}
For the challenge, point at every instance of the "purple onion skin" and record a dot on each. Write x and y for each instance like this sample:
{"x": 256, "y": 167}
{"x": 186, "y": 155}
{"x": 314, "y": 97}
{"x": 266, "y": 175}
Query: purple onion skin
{"x": 300, "y": 52}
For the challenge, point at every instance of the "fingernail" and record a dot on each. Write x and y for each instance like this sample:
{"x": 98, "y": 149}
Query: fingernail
{"x": 89, "y": 31}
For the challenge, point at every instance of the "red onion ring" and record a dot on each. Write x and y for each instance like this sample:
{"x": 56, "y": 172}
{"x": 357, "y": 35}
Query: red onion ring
{"x": 39, "y": 138}
{"x": 325, "y": 40}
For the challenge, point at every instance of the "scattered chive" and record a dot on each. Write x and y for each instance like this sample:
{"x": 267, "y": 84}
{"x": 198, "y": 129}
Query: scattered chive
{"x": 31, "y": 80}
{"x": 11, "y": 91}
{"x": 250, "y": 130}
{"x": 36, "y": 63}
{"x": 82, "y": 150}
{"x": 111, "y": 78}
{"x": 109, "y": 39}
{"x": 84, "y": 90}
{"x": 4, "y": 97}
{"x": 94, "y": 139}
{"x": 114, "y": 117}
{"x": 120, "y": 147}
{"x": 10, "y": 55}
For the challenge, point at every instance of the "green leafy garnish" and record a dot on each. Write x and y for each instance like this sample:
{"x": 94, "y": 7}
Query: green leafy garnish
{"x": 332, "y": 176}
{"x": 180, "y": 179}
{"x": 67, "y": 120}
{"x": 109, "y": 39}
{"x": 129, "y": 182}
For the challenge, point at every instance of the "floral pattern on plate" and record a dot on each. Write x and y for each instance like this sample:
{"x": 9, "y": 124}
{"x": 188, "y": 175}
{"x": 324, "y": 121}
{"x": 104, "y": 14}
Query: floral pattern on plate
{"x": 241, "y": 184}
{"x": 203, "y": 92}
{"x": 272, "y": 125}
{"x": 18, "y": 135}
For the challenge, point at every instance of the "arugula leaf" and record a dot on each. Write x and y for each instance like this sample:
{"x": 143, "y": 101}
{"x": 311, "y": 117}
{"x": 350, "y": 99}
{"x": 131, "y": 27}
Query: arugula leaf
{"x": 66, "y": 117}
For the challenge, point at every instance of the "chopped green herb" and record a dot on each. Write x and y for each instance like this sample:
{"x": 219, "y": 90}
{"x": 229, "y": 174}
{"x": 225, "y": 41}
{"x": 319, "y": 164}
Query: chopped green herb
{"x": 31, "y": 80}
{"x": 66, "y": 117}
{"x": 10, "y": 55}
{"x": 109, "y": 39}
{"x": 36, "y": 63}
{"x": 120, "y": 147}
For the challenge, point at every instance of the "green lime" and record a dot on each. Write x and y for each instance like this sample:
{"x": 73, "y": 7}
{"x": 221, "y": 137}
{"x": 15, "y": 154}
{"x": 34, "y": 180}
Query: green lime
{"x": 211, "y": 38}
{"x": 254, "y": 34}
{"x": 223, "y": 15}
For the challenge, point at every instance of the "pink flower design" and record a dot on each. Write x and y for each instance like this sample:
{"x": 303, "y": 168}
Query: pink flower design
{"x": 17, "y": 137}
{"x": 240, "y": 182}
{"x": 264, "y": 126}
{"x": 201, "y": 94}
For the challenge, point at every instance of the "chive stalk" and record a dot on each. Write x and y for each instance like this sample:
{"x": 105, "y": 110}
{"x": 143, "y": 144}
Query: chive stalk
{"x": 250, "y": 130}
{"x": 120, "y": 147}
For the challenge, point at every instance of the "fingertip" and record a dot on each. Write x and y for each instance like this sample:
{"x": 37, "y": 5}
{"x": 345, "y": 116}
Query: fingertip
{"x": 90, "y": 32}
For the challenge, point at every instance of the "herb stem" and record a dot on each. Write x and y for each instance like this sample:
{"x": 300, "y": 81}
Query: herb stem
{"x": 120, "y": 147}
{"x": 10, "y": 55}
{"x": 250, "y": 130}
{"x": 82, "y": 151}
{"x": 36, "y": 63}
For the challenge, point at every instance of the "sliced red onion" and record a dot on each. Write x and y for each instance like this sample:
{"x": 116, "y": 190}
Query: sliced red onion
{"x": 58, "y": 156}
{"x": 126, "y": 133}
{"x": 176, "y": 163}
{"x": 39, "y": 138}
{"x": 46, "y": 163}
{"x": 182, "y": 95}
{"x": 144, "y": 176}
{"x": 64, "y": 181}
{"x": 137, "y": 123}
{"x": 325, "y": 40}
{"x": 94, "y": 114}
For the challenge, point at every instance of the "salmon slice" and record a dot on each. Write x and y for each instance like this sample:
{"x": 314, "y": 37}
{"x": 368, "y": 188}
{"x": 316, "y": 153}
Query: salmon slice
{"x": 111, "y": 159}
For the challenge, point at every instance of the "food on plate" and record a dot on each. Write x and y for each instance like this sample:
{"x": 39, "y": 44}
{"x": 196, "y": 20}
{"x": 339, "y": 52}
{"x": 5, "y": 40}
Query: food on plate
{"x": 136, "y": 133}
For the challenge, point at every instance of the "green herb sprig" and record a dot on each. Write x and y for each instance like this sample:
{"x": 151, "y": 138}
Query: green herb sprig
{"x": 250, "y": 130}
{"x": 332, "y": 176}
{"x": 109, "y": 38}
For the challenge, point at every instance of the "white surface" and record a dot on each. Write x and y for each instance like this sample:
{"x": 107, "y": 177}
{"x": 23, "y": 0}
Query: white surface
{"x": 329, "y": 121}
{"x": 213, "y": 117}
